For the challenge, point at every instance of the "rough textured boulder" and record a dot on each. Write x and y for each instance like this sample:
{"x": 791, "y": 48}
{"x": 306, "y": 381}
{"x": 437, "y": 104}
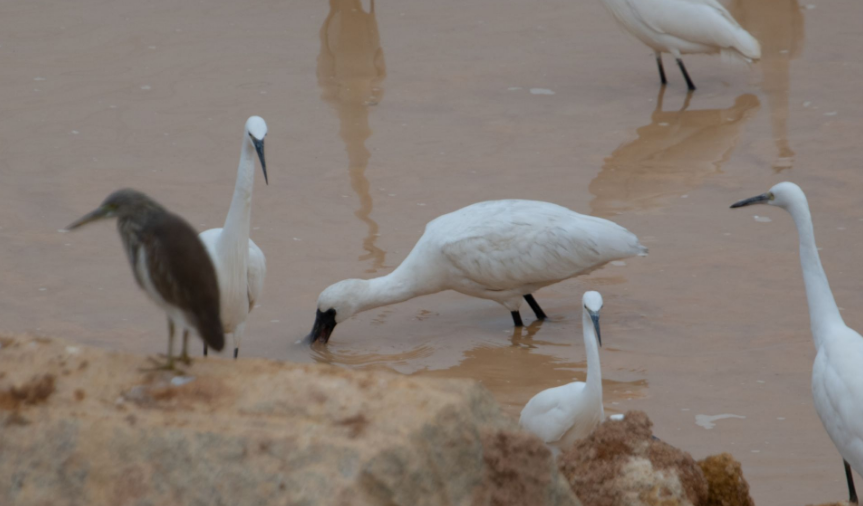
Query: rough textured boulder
{"x": 725, "y": 481}
{"x": 621, "y": 464}
{"x": 81, "y": 425}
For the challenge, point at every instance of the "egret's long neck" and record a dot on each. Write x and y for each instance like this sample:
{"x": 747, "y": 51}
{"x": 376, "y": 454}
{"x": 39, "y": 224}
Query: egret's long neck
{"x": 591, "y": 348}
{"x": 823, "y": 311}
{"x": 235, "y": 234}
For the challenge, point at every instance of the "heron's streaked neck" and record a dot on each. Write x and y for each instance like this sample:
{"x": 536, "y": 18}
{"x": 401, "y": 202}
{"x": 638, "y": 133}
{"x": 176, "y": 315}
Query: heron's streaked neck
{"x": 236, "y": 229}
{"x": 591, "y": 349}
{"x": 823, "y": 312}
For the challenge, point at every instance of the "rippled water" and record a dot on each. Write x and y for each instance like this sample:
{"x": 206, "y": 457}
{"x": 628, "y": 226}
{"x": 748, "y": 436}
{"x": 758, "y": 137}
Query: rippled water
{"x": 380, "y": 120}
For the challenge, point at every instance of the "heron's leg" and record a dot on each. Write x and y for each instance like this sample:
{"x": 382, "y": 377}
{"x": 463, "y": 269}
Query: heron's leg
{"x": 540, "y": 314}
{"x": 184, "y": 357}
{"x": 685, "y": 75}
{"x": 169, "y": 364}
{"x": 852, "y": 492}
{"x": 516, "y": 318}
{"x": 661, "y": 68}
{"x": 205, "y": 349}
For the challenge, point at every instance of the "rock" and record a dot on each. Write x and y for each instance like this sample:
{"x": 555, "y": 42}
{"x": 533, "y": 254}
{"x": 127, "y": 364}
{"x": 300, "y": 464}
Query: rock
{"x": 725, "y": 481}
{"x": 621, "y": 464}
{"x": 253, "y": 432}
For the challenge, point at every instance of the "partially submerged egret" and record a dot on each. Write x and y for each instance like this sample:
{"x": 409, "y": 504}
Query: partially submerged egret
{"x": 683, "y": 27}
{"x": 562, "y": 415}
{"x": 837, "y": 381}
{"x": 501, "y": 250}
{"x": 240, "y": 263}
{"x": 169, "y": 263}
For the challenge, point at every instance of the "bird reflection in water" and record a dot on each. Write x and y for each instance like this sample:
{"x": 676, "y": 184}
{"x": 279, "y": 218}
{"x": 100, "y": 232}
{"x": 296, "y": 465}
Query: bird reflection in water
{"x": 670, "y": 157}
{"x": 778, "y": 25}
{"x": 350, "y": 72}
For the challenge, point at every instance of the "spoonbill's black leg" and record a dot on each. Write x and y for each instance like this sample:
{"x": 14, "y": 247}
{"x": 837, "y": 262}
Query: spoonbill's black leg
{"x": 661, "y": 69}
{"x": 516, "y": 318}
{"x": 540, "y": 314}
{"x": 852, "y": 492}
{"x": 685, "y": 75}
{"x": 205, "y": 349}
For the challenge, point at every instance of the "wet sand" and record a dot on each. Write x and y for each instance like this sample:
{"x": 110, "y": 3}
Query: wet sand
{"x": 380, "y": 121}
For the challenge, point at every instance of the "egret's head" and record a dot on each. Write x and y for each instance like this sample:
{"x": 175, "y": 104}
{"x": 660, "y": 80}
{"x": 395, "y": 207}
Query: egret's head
{"x": 592, "y": 305}
{"x": 256, "y": 129}
{"x": 781, "y": 195}
{"x": 120, "y": 204}
{"x": 336, "y": 304}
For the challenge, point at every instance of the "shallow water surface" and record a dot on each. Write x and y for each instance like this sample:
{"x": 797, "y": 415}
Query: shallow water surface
{"x": 473, "y": 101}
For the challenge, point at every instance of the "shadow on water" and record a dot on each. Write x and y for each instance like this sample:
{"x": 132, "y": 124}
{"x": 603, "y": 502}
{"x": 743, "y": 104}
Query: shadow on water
{"x": 350, "y": 72}
{"x": 778, "y": 26}
{"x": 670, "y": 156}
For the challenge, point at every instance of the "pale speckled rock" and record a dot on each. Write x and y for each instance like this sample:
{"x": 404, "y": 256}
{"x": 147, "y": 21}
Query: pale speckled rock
{"x": 253, "y": 432}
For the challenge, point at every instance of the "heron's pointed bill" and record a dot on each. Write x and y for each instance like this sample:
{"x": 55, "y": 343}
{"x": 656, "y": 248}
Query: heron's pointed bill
{"x": 325, "y": 322}
{"x": 259, "y": 147}
{"x": 595, "y": 318}
{"x": 97, "y": 214}
{"x": 758, "y": 199}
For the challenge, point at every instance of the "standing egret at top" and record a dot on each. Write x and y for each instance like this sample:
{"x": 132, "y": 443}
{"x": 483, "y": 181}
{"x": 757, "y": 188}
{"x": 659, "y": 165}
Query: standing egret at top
{"x": 501, "y": 250}
{"x": 684, "y": 27}
{"x": 837, "y": 377}
{"x": 169, "y": 263}
{"x": 240, "y": 263}
{"x": 562, "y": 415}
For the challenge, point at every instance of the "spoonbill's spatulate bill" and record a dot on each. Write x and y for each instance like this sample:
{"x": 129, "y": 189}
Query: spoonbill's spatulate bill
{"x": 682, "y": 27}
{"x": 562, "y": 415}
{"x": 169, "y": 263}
{"x": 501, "y": 250}
{"x": 240, "y": 263}
{"x": 837, "y": 377}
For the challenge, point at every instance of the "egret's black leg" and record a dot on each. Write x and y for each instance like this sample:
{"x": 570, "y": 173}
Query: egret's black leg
{"x": 236, "y": 352}
{"x": 685, "y": 75}
{"x": 661, "y": 69}
{"x": 205, "y": 349}
{"x": 516, "y": 318}
{"x": 852, "y": 492}
{"x": 540, "y": 314}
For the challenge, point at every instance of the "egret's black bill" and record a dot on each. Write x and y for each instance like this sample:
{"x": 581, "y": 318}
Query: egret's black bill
{"x": 758, "y": 199}
{"x": 325, "y": 322}
{"x": 595, "y": 318}
{"x": 95, "y": 215}
{"x": 259, "y": 147}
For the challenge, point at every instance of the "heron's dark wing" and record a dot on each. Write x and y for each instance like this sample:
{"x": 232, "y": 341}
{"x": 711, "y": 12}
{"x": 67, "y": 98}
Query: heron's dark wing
{"x": 183, "y": 274}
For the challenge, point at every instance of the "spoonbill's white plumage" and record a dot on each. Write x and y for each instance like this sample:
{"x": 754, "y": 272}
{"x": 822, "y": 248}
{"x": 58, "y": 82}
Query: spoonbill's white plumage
{"x": 837, "y": 377}
{"x": 683, "y": 27}
{"x": 240, "y": 263}
{"x": 502, "y": 250}
{"x": 562, "y": 415}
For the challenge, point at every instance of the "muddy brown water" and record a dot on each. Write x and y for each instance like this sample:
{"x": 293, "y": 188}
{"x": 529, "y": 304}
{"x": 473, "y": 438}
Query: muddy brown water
{"x": 382, "y": 120}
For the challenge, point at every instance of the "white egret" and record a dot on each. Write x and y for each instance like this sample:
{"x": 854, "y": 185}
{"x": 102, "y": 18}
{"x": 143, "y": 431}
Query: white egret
{"x": 240, "y": 263}
{"x": 683, "y": 27}
{"x": 562, "y": 415}
{"x": 837, "y": 380}
{"x": 169, "y": 263}
{"x": 501, "y": 250}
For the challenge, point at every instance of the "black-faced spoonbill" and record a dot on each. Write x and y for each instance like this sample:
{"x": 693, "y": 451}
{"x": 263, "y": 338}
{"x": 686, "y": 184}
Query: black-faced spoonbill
{"x": 684, "y": 27}
{"x": 501, "y": 250}
{"x": 837, "y": 377}
{"x": 240, "y": 263}
{"x": 169, "y": 263}
{"x": 562, "y": 415}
